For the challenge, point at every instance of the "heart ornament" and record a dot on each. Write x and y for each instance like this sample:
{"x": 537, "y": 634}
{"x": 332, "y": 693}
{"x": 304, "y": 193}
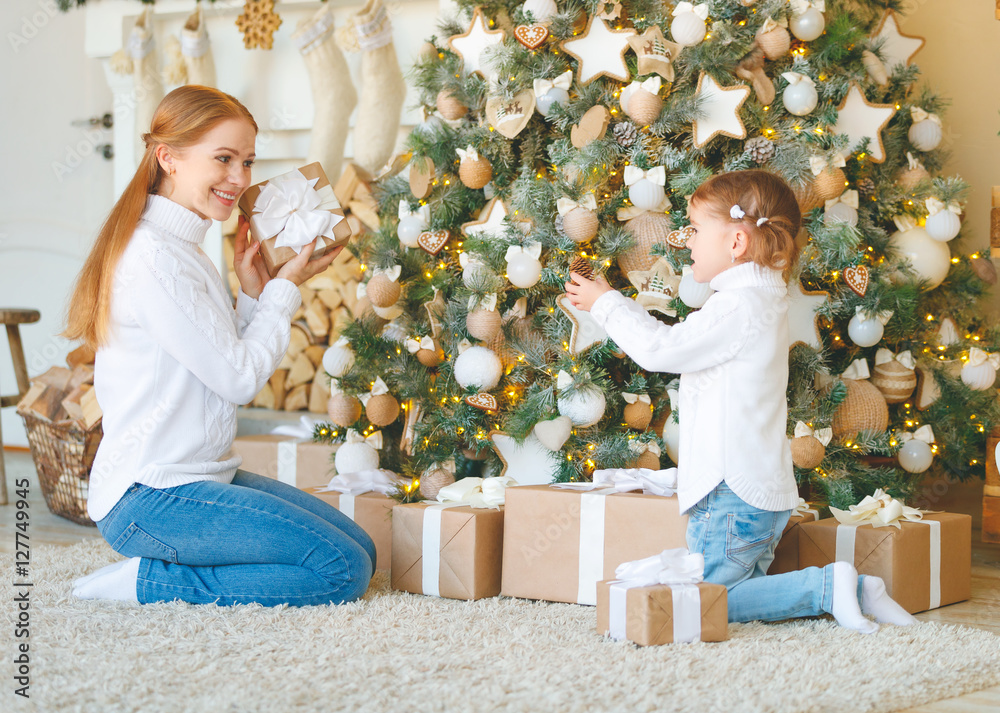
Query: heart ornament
{"x": 482, "y": 401}
{"x": 857, "y": 279}
{"x": 531, "y": 36}
{"x": 433, "y": 242}
{"x": 554, "y": 433}
{"x": 679, "y": 238}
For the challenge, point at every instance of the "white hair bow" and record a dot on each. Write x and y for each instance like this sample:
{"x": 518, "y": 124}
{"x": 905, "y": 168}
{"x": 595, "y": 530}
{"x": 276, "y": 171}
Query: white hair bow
{"x": 657, "y": 175}
{"x": 701, "y": 9}
{"x": 736, "y": 213}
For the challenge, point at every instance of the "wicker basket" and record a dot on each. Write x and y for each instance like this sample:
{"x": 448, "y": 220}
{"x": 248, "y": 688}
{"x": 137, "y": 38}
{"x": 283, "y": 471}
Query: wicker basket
{"x": 63, "y": 455}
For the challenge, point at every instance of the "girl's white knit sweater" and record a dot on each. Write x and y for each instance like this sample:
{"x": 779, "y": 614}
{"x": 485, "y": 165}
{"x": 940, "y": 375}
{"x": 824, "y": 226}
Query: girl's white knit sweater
{"x": 179, "y": 359}
{"x": 732, "y": 356}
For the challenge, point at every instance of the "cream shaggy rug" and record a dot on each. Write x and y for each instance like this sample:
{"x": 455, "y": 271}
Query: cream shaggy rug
{"x": 403, "y": 652}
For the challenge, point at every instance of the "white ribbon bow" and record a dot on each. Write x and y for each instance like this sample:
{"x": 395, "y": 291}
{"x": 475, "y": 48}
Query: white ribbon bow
{"x": 770, "y": 24}
{"x": 935, "y": 206}
{"x": 884, "y": 356}
{"x": 651, "y": 85}
{"x": 797, "y": 77}
{"x": 858, "y": 370}
{"x": 464, "y": 345}
{"x": 918, "y": 114}
{"x": 488, "y": 302}
{"x": 864, "y": 315}
{"x": 392, "y": 273}
{"x": 817, "y": 164}
{"x": 467, "y": 154}
{"x": 948, "y": 333}
{"x": 477, "y": 492}
{"x": 290, "y": 207}
{"x": 625, "y": 480}
{"x": 847, "y": 198}
{"x": 415, "y": 345}
{"x": 802, "y": 508}
{"x": 534, "y": 249}
{"x": 364, "y": 481}
{"x": 925, "y": 433}
{"x": 977, "y": 357}
{"x": 303, "y": 429}
{"x": 640, "y": 447}
{"x": 467, "y": 259}
{"x": 913, "y": 162}
{"x": 657, "y": 175}
{"x": 423, "y": 212}
{"x": 379, "y": 387}
{"x": 878, "y": 510}
{"x": 563, "y": 380}
{"x": 677, "y": 566}
{"x": 564, "y": 205}
{"x": 374, "y": 440}
{"x": 701, "y": 9}
{"x": 800, "y": 6}
{"x": 823, "y": 435}
{"x": 904, "y": 222}
{"x": 563, "y": 81}
{"x": 632, "y": 398}
{"x": 519, "y": 310}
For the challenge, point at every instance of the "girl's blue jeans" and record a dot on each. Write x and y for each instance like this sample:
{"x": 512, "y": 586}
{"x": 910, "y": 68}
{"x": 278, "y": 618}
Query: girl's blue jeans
{"x": 252, "y": 540}
{"x": 738, "y": 542}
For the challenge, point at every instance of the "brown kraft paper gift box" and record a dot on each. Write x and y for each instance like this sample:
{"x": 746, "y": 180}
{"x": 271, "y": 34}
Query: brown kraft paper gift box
{"x": 470, "y": 552}
{"x": 786, "y": 554}
{"x": 274, "y": 258}
{"x": 303, "y": 464}
{"x": 901, "y": 557}
{"x": 650, "y": 613}
{"x": 373, "y": 514}
{"x": 541, "y": 548}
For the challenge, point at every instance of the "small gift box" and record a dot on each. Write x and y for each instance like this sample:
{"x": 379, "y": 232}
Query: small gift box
{"x": 786, "y": 554}
{"x": 288, "y": 454}
{"x": 451, "y": 547}
{"x": 289, "y": 211}
{"x": 561, "y": 540}
{"x": 925, "y": 558}
{"x": 364, "y": 497}
{"x": 662, "y": 600}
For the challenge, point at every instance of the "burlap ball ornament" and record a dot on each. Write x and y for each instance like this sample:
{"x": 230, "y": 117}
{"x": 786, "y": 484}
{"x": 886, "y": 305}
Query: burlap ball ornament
{"x": 829, "y": 184}
{"x": 383, "y": 291}
{"x": 647, "y": 230}
{"x": 475, "y": 174}
{"x": 647, "y": 460}
{"x": 909, "y": 178}
{"x": 638, "y": 415}
{"x": 864, "y": 409}
{"x": 644, "y": 107}
{"x": 775, "y": 42}
{"x": 580, "y": 224}
{"x": 450, "y": 107}
{"x": 431, "y": 357}
{"x": 382, "y": 409}
{"x": 343, "y": 410}
{"x": 483, "y": 324}
{"x": 807, "y": 452}
{"x": 807, "y": 197}
{"x": 895, "y": 381}
{"x": 433, "y": 480}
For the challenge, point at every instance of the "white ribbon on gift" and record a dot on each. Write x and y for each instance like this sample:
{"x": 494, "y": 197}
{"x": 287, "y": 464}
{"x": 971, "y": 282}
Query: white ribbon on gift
{"x": 487, "y": 302}
{"x": 351, "y": 485}
{"x": 288, "y": 451}
{"x": 800, "y": 6}
{"x": 415, "y": 345}
{"x": 803, "y": 508}
{"x": 701, "y": 9}
{"x": 918, "y": 114}
{"x": 477, "y": 492}
{"x": 304, "y": 429}
{"x": 430, "y": 548}
{"x": 378, "y": 388}
{"x": 290, "y": 207}
{"x": 913, "y": 162}
{"x": 534, "y": 249}
{"x": 681, "y": 571}
{"x": 977, "y": 357}
{"x": 884, "y": 356}
{"x": 770, "y": 24}
{"x": 423, "y": 212}
{"x": 632, "y": 398}
{"x": 818, "y": 164}
{"x": 882, "y": 510}
{"x": 564, "y": 205}
{"x": 864, "y": 315}
{"x": 935, "y": 206}
{"x": 797, "y": 78}
{"x": 858, "y": 370}
{"x": 849, "y": 198}
{"x": 657, "y": 175}
{"x": 904, "y": 222}
{"x": 626, "y": 480}
{"x": 651, "y": 85}
{"x": 563, "y": 81}
{"x": 823, "y": 435}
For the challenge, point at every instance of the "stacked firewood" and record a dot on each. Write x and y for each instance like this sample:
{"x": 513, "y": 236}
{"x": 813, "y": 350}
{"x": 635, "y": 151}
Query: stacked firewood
{"x": 65, "y": 394}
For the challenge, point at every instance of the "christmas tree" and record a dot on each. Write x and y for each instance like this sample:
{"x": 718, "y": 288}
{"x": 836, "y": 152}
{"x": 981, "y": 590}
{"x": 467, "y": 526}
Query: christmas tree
{"x": 568, "y": 137}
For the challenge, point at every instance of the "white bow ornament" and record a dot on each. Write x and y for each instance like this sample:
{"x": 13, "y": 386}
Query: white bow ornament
{"x": 797, "y": 78}
{"x": 563, "y": 81}
{"x": 290, "y": 207}
{"x": 817, "y": 164}
{"x": 423, "y": 213}
{"x": 978, "y": 357}
{"x": 918, "y": 114}
{"x": 884, "y": 356}
{"x": 651, "y": 85}
{"x": 657, "y": 175}
{"x": 487, "y": 302}
{"x": 701, "y": 9}
{"x": 632, "y": 398}
{"x": 415, "y": 345}
{"x": 848, "y": 198}
{"x": 935, "y": 206}
{"x": 534, "y": 249}
{"x": 904, "y": 222}
{"x": 563, "y": 380}
{"x": 823, "y": 435}
{"x": 864, "y": 315}
{"x": 378, "y": 388}
{"x": 913, "y": 162}
{"x": 565, "y": 204}
{"x": 857, "y": 371}
{"x": 374, "y": 440}
{"x": 770, "y": 24}
{"x": 468, "y": 259}
{"x": 925, "y": 433}
{"x": 800, "y": 6}
{"x": 392, "y": 273}
{"x": 467, "y": 154}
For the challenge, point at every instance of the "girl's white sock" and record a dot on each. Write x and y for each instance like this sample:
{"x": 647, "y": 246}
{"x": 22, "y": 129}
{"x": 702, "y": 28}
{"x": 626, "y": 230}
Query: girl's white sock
{"x": 846, "y": 609}
{"x": 116, "y": 581}
{"x": 877, "y": 602}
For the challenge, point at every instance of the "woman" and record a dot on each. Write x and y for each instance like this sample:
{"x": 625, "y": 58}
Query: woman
{"x": 173, "y": 361}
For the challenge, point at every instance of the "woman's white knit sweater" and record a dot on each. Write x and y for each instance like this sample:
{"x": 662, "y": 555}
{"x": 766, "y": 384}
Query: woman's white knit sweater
{"x": 732, "y": 356}
{"x": 179, "y": 359}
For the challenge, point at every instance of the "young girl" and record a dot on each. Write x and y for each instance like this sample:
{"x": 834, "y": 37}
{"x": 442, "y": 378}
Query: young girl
{"x": 173, "y": 361}
{"x": 735, "y": 473}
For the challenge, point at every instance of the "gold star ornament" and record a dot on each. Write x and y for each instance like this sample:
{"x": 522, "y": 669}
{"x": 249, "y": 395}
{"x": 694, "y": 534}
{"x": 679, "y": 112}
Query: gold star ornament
{"x": 655, "y": 53}
{"x": 258, "y": 24}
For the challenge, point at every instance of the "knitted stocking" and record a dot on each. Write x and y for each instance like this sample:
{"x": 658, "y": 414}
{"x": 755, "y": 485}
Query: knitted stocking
{"x": 334, "y": 97}
{"x": 383, "y": 89}
{"x": 191, "y": 56}
{"x": 138, "y": 58}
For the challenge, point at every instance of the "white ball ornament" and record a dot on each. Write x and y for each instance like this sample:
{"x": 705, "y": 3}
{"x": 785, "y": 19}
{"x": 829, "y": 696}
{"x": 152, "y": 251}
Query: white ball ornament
{"x": 479, "y": 367}
{"x": 979, "y": 377}
{"x": 474, "y": 271}
{"x": 645, "y": 194}
{"x": 925, "y": 135}
{"x": 943, "y": 226}
{"x": 541, "y": 10}
{"x": 915, "y": 456}
{"x": 672, "y": 437}
{"x": 687, "y": 28}
{"x": 930, "y": 258}
{"x": 338, "y": 359}
{"x": 693, "y": 293}
{"x": 523, "y": 267}
{"x": 808, "y": 25}
{"x": 584, "y": 407}
{"x": 555, "y": 95}
{"x": 355, "y": 457}
{"x": 841, "y": 213}
{"x": 865, "y": 332}
{"x": 409, "y": 229}
{"x": 800, "y": 97}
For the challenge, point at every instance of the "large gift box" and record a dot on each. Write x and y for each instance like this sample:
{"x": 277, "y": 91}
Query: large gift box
{"x": 449, "y": 549}
{"x": 560, "y": 542}
{"x": 288, "y": 211}
{"x": 296, "y": 461}
{"x": 786, "y": 554}
{"x": 662, "y": 600}
{"x": 925, "y": 558}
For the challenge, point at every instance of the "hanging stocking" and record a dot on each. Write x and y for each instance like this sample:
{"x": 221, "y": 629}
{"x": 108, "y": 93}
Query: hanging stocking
{"x": 138, "y": 58}
{"x": 191, "y": 56}
{"x": 382, "y": 87}
{"x": 334, "y": 97}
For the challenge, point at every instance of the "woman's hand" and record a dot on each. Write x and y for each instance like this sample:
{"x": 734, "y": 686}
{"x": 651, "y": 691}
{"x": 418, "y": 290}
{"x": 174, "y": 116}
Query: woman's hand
{"x": 583, "y": 293}
{"x": 248, "y": 264}
{"x": 300, "y": 268}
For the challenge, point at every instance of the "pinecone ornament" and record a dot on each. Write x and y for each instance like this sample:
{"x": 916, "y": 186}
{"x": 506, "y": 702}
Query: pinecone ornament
{"x": 626, "y": 134}
{"x": 582, "y": 267}
{"x": 760, "y": 148}
{"x": 866, "y": 187}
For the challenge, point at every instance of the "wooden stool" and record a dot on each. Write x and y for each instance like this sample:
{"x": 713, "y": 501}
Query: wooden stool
{"x": 11, "y": 318}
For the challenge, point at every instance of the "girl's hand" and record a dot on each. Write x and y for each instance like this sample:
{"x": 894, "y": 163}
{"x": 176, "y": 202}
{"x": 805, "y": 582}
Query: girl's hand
{"x": 300, "y": 268}
{"x": 583, "y": 293}
{"x": 248, "y": 264}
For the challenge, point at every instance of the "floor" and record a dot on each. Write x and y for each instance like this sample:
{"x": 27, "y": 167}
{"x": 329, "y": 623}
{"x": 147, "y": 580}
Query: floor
{"x": 981, "y": 611}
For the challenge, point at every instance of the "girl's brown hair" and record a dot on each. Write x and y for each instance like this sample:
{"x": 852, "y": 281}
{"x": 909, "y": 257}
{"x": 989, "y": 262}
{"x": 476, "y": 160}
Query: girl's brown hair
{"x": 759, "y": 194}
{"x": 182, "y": 118}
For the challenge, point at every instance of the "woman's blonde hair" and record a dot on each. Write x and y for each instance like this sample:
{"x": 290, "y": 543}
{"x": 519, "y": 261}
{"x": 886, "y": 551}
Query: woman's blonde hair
{"x": 771, "y": 214}
{"x": 182, "y": 118}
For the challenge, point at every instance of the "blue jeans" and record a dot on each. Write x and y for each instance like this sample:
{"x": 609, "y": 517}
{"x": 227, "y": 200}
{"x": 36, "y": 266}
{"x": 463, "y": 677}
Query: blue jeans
{"x": 738, "y": 542}
{"x": 252, "y": 540}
